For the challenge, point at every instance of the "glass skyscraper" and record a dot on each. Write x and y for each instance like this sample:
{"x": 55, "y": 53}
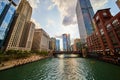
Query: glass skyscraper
{"x": 85, "y": 14}
{"x": 7, "y": 11}
{"x": 57, "y": 45}
{"x": 66, "y": 42}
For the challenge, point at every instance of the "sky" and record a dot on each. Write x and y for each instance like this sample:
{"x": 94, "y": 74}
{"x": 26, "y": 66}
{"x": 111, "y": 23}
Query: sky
{"x": 57, "y": 17}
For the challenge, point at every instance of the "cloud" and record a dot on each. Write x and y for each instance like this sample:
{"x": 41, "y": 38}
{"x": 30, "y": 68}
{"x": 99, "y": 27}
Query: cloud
{"x": 68, "y": 20}
{"x": 67, "y": 10}
{"x": 72, "y": 30}
{"x": 98, "y": 4}
{"x": 50, "y": 23}
{"x": 58, "y": 36}
{"x": 34, "y": 3}
{"x": 51, "y": 7}
{"x": 37, "y": 25}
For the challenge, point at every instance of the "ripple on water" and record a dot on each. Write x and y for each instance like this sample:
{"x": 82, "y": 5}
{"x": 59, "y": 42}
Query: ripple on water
{"x": 62, "y": 69}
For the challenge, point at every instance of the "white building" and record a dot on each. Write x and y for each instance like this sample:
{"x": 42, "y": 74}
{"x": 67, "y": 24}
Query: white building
{"x": 41, "y": 40}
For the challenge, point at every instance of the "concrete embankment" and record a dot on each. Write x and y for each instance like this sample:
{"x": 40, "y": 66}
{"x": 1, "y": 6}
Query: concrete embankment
{"x": 18, "y": 62}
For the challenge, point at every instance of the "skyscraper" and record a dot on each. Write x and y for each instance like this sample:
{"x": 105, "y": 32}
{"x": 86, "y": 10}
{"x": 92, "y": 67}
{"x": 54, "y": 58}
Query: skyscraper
{"x": 57, "y": 45}
{"x": 27, "y": 36}
{"x": 7, "y": 10}
{"x": 85, "y": 14}
{"x": 66, "y": 42}
{"x": 22, "y": 16}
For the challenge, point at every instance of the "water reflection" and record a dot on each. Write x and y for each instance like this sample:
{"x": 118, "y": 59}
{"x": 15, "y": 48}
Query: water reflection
{"x": 67, "y": 55}
{"x": 63, "y": 69}
{"x": 70, "y": 70}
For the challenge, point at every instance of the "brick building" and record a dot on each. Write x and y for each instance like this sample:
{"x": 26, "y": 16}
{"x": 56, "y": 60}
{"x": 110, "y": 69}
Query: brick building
{"x": 106, "y": 38}
{"x": 93, "y": 43}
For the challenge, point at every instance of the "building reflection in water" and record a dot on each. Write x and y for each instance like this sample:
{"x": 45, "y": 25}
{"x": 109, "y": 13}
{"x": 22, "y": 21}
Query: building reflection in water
{"x": 70, "y": 70}
{"x": 67, "y": 55}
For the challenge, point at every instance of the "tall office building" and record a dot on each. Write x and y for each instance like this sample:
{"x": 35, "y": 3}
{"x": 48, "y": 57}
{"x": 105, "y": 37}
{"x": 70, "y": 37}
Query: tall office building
{"x": 66, "y": 42}
{"x": 22, "y": 16}
{"x": 85, "y": 14}
{"x": 27, "y": 36}
{"x": 57, "y": 45}
{"x": 69, "y": 42}
{"x": 7, "y": 11}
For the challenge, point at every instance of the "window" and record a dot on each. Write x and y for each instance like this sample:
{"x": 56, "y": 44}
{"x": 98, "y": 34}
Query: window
{"x": 104, "y": 14}
{"x": 2, "y": 6}
{"x": 116, "y": 23}
{"x": 97, "y": 17}
{"x": 101, "y": 31}
{"x": 108, "y": 27}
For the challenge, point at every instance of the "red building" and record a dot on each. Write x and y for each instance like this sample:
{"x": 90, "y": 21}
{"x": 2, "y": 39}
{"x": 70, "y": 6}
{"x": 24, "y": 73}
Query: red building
{"x": 108, "y": 33}
{"x": 93, "y": 43}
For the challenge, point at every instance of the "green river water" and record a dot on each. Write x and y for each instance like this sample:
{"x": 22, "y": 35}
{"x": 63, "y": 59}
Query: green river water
{"x": 63, "y": 69}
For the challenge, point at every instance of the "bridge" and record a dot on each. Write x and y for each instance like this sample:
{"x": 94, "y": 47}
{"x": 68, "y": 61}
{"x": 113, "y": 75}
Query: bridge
{"x": 55, "y": 53}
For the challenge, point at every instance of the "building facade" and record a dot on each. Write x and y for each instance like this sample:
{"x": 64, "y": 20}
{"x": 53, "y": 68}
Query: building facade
{"x": 93, "y": 43}
{"x": 66, "y": 42}
{"x": 22, "y": 16}
{"x": 53, "y": 44}
{"x": 85, "y": 14}
{"x": 41, "y": 40}
{"x": 106, "y": 39}
{"x": 118, "y": 3}
{"x": 75, "y": 45}
{"x": 7, "y": 12}
{"x": 27, "y": 36}
{"x": 57, "y": 45}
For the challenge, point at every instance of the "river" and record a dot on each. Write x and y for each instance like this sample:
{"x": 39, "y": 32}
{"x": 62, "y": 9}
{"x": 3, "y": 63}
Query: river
{"x": 63, "y": 69}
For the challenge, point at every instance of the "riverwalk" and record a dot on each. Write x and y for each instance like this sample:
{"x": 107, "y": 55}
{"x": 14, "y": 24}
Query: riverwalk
{"x": 18, "y": 62}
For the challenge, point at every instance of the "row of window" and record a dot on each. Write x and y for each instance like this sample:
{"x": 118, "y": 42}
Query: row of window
{"x": 104, "y": 15}
{"x": 6, "y": 19}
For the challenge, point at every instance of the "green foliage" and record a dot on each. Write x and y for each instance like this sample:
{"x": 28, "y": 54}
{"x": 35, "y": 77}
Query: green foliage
{"x": 14, "y": 54}
{"x": 4, "y": 58}
{"x": 79, "y": 45}
{"x": 1, "y": 52}
{"x": 42, "y": 53}
{"x": 18, "y": 54}
{"x": 45, "y": 53}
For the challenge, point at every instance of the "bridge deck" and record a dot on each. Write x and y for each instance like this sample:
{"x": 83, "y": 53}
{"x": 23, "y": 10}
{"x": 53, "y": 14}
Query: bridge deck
{"x": 67, "y": 52}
